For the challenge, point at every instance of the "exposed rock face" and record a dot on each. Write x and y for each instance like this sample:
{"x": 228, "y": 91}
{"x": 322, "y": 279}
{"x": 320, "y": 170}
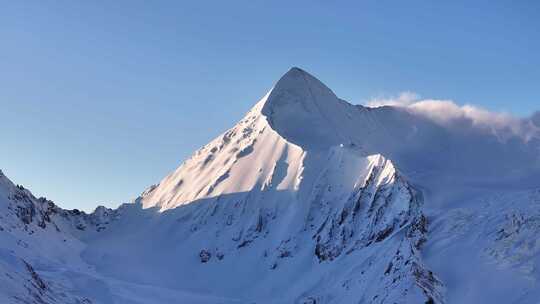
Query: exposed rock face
{"x": 29, "y": 209}
{"x": 373, "y": 213}
{"x": 39, "y": 284}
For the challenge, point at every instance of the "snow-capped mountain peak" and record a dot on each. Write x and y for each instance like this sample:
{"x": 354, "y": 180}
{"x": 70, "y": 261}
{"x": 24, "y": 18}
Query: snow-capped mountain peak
{"x": 297, "y": 91}
{"x": 289, "y": 179}
{"x": 297, "y": 123}
{"x": 305, "y": 111}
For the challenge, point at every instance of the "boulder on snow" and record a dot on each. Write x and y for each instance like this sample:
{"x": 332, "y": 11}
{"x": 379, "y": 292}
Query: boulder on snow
{"x": 205, "y": 255}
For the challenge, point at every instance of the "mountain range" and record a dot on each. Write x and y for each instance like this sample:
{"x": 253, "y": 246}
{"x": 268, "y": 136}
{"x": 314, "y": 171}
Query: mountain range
{"x": 307, "y": 199}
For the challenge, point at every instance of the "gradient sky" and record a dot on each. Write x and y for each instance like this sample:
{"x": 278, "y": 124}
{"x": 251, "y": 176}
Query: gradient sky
{"x": 100, "y": 99}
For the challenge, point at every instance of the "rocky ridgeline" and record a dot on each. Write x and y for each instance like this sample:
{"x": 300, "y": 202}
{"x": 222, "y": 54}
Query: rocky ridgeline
{"x": 42, "y": 213}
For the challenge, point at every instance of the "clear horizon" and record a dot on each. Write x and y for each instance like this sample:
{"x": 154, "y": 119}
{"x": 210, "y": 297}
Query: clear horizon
{"x": 102, "y": 100}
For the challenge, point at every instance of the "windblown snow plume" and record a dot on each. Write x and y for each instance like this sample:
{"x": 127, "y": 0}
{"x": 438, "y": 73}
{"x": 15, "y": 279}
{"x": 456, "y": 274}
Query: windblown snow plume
{"x": 404, "y": 99}
{"x": 449, "y": 114}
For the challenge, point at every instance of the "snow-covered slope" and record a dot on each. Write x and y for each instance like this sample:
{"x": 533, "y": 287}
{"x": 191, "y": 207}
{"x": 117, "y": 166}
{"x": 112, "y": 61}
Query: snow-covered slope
{"x": 41, "y": 256}
{"x": 488, "y": 249}
{"x": 29, "y": 238}
{"x": 308, "y": 199}
{"x": 250, "y": 245}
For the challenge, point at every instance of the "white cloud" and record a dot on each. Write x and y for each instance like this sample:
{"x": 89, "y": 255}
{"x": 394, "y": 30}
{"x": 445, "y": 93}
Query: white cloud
{"x": 450, "y": 114}
{"x": 404, "y": 99}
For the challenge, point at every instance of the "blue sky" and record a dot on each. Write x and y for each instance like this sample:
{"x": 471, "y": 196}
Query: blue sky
{"x": 100, "y": 99}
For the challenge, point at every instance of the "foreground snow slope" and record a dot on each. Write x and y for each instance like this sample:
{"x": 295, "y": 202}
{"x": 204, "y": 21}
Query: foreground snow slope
{"x": 488, "y": 249}
{"x": 31, "y": 240}
{"x": 299, "y": 202}
{"x": 40, "y": 256}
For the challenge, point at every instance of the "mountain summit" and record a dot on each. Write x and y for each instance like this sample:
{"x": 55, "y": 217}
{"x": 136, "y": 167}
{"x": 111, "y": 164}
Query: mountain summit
{"x": 297, "y": 91}
{"x": 305, "y": 111}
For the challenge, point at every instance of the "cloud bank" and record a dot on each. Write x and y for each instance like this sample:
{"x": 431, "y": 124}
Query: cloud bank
{"x": 450, "y": 114}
